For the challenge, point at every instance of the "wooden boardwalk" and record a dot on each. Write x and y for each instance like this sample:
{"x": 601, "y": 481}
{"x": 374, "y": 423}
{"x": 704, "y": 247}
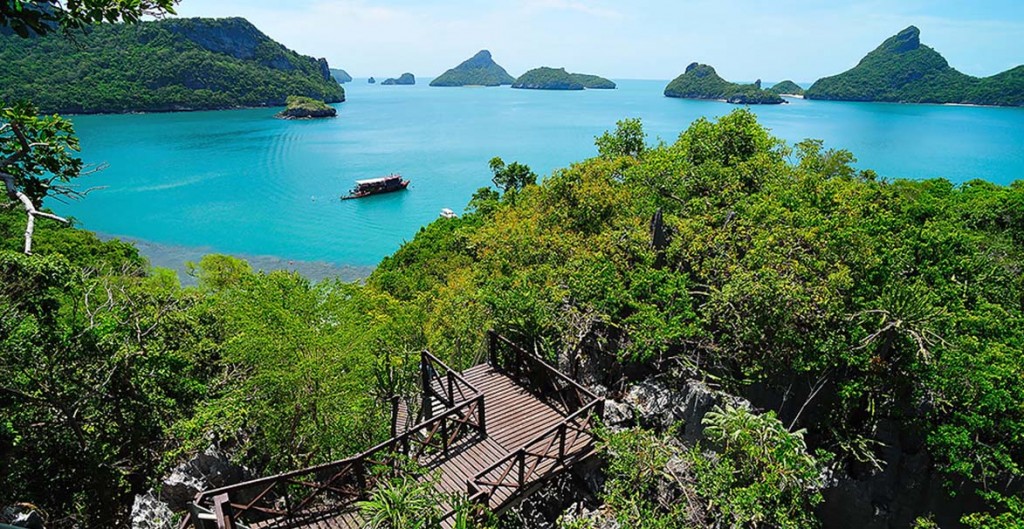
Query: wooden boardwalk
{"x": 493, "y": 433}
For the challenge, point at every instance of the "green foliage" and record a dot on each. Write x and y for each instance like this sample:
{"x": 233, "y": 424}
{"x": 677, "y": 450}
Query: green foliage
{"x": 478, "y": 70}
{"x": 700, "y": 81}
{"x": 903, "y": 70}
{"x": 545, "y": 78}
{"x": 512, "y": 177}
{"x": 40, "y": 17}
{"x": 764, "y": 475}
{"x": 628, "y": 140}
{"x": 758, "y": 475}
{"x": 402, "y": 503}
{"x": 175, "y": 64}
{"x": 1009, "y": 514}
{"x": 787, "y": 87}
{"x": 49, "y": 144}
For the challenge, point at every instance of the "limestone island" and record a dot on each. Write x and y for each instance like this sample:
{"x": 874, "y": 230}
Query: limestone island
{"x": 478, "y": 70}
{"x": 371, "y": 80}
{"x": 341, "y": 76}
{"x": 545, "y": 78}
{"x": 700, "y": 81}
{"x": 301, "y": 107}
{"x": 902, "y": 70}
{"x": 404, "y": 79}
{"x": 787, "y": 88}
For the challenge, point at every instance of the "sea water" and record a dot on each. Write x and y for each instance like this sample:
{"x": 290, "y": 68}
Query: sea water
{"x": 244, "y": 183}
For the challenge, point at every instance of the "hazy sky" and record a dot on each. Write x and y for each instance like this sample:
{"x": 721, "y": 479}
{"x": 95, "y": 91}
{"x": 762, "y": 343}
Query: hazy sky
{"x": 643, "y": 39}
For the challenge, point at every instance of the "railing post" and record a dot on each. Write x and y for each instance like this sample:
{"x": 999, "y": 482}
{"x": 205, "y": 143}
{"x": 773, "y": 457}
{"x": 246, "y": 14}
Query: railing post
{"x": 394, "y": 415}
{"x": 483, "y": 416}
{"x": 492, "y": 356}
{"x": 428, "y": 411}
{"x": 522, "y": 468}
{"x": 360, "y": 470}
{"x": 451, "y": 389}
{"x": 222, "y": 511}
{"x": 561, "y": 441}
{"x": 444, "y": 436}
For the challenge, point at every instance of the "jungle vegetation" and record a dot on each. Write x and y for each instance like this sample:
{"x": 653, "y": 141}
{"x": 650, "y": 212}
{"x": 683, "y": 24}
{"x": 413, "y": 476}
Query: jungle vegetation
{"x": 780, "y": 268}
{"x": 163, "y": 65}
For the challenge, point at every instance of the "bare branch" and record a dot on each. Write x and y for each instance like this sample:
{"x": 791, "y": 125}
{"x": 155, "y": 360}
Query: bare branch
{"x": 30, "y": 209}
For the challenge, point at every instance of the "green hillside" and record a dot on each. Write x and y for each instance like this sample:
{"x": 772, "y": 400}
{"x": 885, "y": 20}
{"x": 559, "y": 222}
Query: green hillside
{"x": 700, "y": 81}
{"x": 545, "y": 78}
{"x": 478, "y": 70}
{"x": 902, "y": 70}
{"x": 787, "y": 87}
{"x": 167, "y": 65}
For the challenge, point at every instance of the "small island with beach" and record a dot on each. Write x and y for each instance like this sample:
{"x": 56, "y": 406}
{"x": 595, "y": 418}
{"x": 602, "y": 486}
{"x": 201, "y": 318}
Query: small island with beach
{"x": 301, "y": 107}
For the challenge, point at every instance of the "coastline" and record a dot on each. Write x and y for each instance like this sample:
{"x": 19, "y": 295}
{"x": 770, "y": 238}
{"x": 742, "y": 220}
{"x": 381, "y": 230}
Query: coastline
{"x": 174, "y": 257}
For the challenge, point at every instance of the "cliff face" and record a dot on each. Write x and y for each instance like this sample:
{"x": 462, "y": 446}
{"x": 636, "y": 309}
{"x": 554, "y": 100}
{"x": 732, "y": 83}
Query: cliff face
{"x": 902, "y": 70}
{"x": 166, "y": 65}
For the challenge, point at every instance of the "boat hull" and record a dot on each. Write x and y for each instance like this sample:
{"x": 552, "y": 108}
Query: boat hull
{"x": 363, "y": 194}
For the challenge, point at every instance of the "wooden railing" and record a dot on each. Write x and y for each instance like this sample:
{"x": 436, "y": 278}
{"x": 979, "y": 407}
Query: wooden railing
{"x": 557, "y": 449}
{"x": 544, "y": 380}
{"x": 438, "y": 381}
{"x": 339, "y": 484}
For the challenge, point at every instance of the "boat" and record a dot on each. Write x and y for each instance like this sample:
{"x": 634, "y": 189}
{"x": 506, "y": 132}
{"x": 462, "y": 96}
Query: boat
{"x": 448, "y": 213}
{"x": 375, "y": 186}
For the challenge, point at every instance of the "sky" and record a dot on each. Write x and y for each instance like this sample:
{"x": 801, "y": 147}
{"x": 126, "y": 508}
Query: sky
{"x": 744, "y": 40}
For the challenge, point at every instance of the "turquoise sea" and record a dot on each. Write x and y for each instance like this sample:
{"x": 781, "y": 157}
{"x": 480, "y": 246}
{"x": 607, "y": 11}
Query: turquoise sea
{"x": 244, "y": 183}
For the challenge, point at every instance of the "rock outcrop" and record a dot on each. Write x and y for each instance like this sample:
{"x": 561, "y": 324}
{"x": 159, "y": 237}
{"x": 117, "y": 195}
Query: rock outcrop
{"x": 209, "y": 470}
{"x": 150, "y": 513}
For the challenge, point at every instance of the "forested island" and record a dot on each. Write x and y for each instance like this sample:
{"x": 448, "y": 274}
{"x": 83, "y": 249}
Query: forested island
{"x": 341, "y": 76}
{"x": 700, "y": 81}
{"x": 157, "y": 66}
{"x": 478, "y": 70}
{"x": 545, "y": 78}
{"x": 404, "y": 79}
{"x": 787, "y": 88}
{"x": 299, "y": 107}
{"x": 902, "y": 70}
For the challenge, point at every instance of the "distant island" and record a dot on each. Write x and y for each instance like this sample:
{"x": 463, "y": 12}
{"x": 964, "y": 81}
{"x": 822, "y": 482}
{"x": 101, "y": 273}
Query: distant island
{"x": 478, "y": 70}
{"x": 545, "y": 78}
{"x": 787, "y": 88}
{"x": 341, "y": 76}
{"x": 301, "y": 107}
{"x": 160, "y": 66}
{"x": 404, "y": 79}
{"x": 700, "y": 81}
{"x": 371, "y": 80}
{"x": 902, "y": 70}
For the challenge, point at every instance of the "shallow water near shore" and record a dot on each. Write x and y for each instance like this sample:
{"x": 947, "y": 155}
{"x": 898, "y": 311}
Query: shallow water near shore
{"x": 244, "y": 183}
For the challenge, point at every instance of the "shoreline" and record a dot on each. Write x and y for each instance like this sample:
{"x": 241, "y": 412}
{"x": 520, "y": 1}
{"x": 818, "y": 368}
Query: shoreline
{"x": 174, "y": 257}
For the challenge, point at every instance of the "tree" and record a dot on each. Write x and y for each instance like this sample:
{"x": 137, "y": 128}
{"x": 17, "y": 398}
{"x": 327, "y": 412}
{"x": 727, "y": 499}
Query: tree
{"x": 511, "y": 177}
{"x": 39, "y": 17}
{"x": 37, "y": 151}
{"x": 628, "y": 140}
